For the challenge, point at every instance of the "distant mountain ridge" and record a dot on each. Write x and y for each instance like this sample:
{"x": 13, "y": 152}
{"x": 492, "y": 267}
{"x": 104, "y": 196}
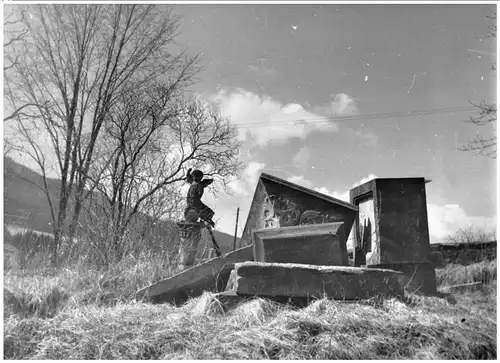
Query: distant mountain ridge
{"x": 26, "y": 206}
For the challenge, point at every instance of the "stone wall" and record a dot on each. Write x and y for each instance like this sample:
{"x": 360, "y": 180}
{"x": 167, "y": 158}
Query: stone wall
{"x": 460, "y": 253}
{"x": 463, "y": 253}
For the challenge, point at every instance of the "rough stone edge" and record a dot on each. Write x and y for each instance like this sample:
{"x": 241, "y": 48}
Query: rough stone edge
{"x": 189, "y": 277}
{"x": 320, "y": 268}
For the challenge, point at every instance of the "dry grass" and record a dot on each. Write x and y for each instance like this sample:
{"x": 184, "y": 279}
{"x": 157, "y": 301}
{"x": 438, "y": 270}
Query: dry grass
{"x": 485, "y": 272}
{"x": 44, "y": 292}
{"x": 456, "y": 327}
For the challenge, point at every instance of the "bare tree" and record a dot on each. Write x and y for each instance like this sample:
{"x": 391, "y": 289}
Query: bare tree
{"x": 487, "y": 115}
{"x": 471, "y": 234}
{"x": 75, "y": 61}
{"x": 151, "y": 138}
{"x": 14, "y": 33}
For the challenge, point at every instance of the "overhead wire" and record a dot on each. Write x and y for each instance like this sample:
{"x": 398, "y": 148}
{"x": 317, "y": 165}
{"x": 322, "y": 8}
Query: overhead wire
{"x": 306, "y": 121}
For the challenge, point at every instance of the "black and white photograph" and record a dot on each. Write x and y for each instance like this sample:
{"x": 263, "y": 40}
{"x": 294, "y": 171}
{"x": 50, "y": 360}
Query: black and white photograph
{"x": 249, "y": 180}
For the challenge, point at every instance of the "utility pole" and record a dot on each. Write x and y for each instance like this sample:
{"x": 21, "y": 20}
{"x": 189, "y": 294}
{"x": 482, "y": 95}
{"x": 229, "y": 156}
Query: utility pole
{"x": 236, "y": 227}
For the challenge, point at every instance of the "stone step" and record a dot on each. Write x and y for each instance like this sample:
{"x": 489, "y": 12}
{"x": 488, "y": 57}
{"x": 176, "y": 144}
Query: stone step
{"x": 311, "y": 281}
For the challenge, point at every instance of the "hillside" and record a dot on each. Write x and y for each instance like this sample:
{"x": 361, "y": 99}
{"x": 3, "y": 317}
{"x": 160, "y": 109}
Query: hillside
{"x": 26, "y": 206}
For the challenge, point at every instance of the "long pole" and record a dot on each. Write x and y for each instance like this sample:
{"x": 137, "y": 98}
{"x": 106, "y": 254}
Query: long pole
{"x": 236, "y": 227}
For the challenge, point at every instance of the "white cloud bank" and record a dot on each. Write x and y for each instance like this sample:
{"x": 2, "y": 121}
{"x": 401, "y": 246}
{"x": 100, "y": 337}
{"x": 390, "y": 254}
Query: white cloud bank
{"x": 344, "y": 195}
{"x": 446, "y": 220}
{"x": 246, "y": 183}
{"x": 272, "y": 121}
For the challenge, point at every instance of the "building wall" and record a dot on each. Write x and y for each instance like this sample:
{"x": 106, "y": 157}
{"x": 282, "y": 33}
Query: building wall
{"x": 278, "y": 205}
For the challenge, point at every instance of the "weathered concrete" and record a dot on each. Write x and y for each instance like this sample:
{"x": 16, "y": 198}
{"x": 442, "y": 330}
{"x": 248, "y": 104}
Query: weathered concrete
{"x": 230, "y": 299}
{"x": 190, "y": 235}
{"x": 309, "y": 281}
{"x": 231, "y": 282}
{"x": 421, "y": 276}
{"x": 392, "y": 227}
{"x": 315, "y": 244}
{"x": 211, "y": 275}
{"x": 278, "y": 203}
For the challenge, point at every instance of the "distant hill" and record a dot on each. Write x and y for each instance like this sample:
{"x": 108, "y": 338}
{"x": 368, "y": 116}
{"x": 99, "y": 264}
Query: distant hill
{"x": 26, "y": 206}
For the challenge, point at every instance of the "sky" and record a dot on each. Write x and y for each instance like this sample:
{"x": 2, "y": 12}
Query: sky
{"x": 331, "y": 96}
{"x": 310, "y": 76}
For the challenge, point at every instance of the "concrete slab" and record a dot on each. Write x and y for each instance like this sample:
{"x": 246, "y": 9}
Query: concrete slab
{"x": 230, "y": 299}
{"x": 211, "y": 275}
{"x": 309, "y": 281}
{"x": 316, "y": 244}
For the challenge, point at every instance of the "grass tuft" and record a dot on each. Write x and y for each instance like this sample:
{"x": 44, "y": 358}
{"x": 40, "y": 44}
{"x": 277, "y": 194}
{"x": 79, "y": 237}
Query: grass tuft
{"x": 87, "y": 314}
{"x": 484, "y": 272}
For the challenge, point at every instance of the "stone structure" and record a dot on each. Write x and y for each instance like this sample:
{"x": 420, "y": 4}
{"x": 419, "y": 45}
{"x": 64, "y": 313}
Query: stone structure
{"x": 288, "y": 223}
{"x": 278, "y": 203}
{"x": 190, "y": 235}
{"x": 391, "y": 230}
{"x": 314, "y": 244}
{"x": 309, "y": 281}
{"x": 211, "y": 275}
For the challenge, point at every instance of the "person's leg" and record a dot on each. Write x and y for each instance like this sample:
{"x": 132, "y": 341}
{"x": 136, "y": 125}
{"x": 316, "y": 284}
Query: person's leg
{"x": 206, "y": 214}
{"x": 194, "y": 206}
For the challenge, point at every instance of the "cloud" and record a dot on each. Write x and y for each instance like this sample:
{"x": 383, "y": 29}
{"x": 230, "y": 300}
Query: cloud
{"x": 245, "y": 184}
{"x": 302, "y": 157}
{"x": 446, "y": 220}
{"x": 262, "y": 70}
{"x": 342, "y": 195}
{"x": 300, "y": 180}
{"x": 364, "y": 180}
{"x": 341, "y": 105}
{"x": 264, "y": 120}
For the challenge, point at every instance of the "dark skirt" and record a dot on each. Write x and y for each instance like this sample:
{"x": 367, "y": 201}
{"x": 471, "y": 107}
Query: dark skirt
{"x": 204, "y": 212}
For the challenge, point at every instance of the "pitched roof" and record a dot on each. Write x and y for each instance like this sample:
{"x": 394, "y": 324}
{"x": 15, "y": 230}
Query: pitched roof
{"x": 307, "y": 191}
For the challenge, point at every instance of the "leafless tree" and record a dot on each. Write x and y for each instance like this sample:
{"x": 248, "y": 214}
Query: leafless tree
{"x": 487, "y": 115}
{"x": 151, "y": 138}
{"x": 14, "y": 33}
{"x": 75, "y": 61}
{"x": 471, "y": 234}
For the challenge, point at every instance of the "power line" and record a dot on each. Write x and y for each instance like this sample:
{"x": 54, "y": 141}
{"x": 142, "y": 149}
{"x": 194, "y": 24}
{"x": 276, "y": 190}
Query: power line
{"x": 304, "y": 121}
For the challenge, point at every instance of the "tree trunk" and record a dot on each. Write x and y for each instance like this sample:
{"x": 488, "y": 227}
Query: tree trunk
{"x": 75, "y": 218}
{"x": 61, "y": 218}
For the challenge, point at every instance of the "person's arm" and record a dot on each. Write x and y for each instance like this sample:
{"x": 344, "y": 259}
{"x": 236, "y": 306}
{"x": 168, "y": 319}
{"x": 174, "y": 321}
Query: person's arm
{"x": 206, "y": 182}
{"x": 189, "y": 176}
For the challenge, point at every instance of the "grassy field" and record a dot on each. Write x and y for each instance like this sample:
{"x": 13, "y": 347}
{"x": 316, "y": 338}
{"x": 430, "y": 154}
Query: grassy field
{"x": 83, "y": 314}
